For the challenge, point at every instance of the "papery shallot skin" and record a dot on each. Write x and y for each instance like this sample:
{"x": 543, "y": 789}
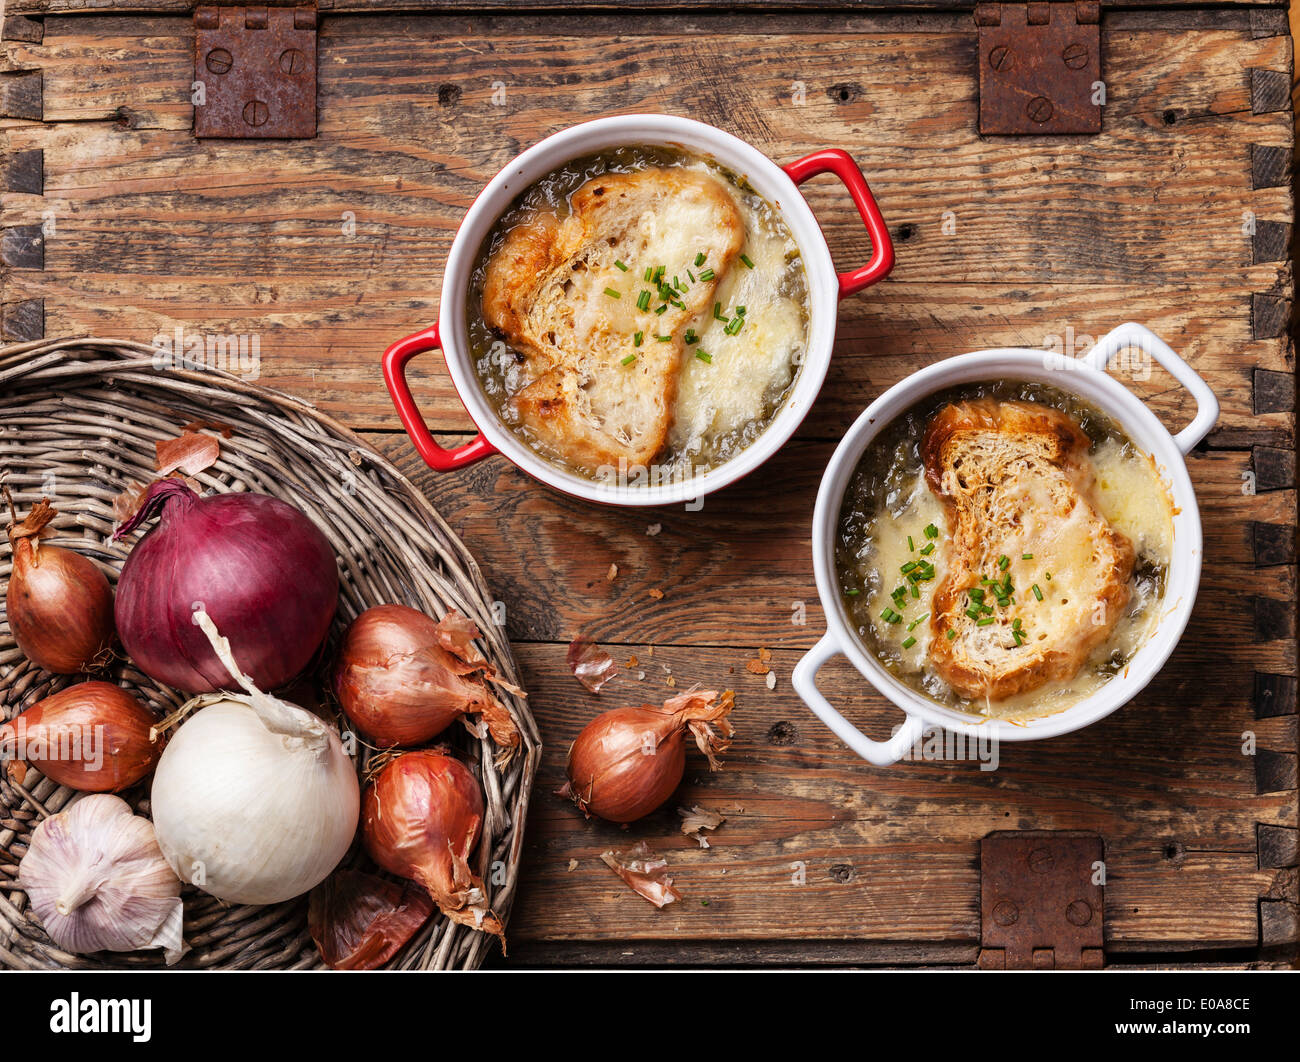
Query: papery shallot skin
{"x": 403, "y": 677}
{"x": 259, "y": 567}
{"x": 359, "y": 921}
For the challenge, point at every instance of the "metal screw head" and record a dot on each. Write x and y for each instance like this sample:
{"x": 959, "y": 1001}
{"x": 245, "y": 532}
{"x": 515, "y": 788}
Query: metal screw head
{"x": 1075, "y": 55}
{"x": 1006, "y": 913}
{"x": 1079, "y": 913}
{"x": 256, "y": 113}
{"x": 219, "y": 61}
{"x": 1039, "y": 110}
{"x": 1040, "y": 859}
{"x": 292, "y": 61}
{"x": 1001, "y": 58}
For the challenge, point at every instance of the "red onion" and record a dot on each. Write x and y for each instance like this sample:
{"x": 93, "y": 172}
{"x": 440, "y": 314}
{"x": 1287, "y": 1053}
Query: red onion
{"x": 403, "y": 679}
{"x": 420, "y": 819}
{"x": 60, "y": 606}
{"x": 627, "y": 761}
{"x": 93, "y": 736}
{"x": 262, "y": 570}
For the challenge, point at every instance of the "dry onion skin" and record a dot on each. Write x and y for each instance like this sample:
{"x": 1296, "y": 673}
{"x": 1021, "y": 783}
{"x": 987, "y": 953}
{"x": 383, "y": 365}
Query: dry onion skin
{"x": 59, "y": 604}
{"x": 627, "y": 762}
{"x": 403, "y": 678}
{"x": 359, "y": 921}
{"x": 93, "y": 736}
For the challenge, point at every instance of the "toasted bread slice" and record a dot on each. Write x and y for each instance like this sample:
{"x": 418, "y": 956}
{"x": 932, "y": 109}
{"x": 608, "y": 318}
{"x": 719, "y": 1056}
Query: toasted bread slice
{"x": 547, "y": 290}
{"x": 1014, "y": 479}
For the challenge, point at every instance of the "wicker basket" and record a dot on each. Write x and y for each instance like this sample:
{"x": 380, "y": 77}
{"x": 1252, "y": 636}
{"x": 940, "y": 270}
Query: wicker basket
{"x": 78, "y": 422}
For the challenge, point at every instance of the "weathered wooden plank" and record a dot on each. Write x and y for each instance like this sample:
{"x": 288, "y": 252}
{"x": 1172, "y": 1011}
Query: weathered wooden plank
{"x": 36, "y": 7}
{"x": 1180, "y": 830}
{"x": 748, "y": 548}
{"x": 187, "y": 233}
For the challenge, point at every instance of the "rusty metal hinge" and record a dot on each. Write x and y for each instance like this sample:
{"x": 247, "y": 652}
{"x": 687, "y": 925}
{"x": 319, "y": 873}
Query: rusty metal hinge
{"x": 1042, "y": 901}
{"x": 1040, "y": 67}
{"x": 255, "y": 72}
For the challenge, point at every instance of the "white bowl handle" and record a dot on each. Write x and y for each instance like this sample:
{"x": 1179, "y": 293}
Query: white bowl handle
{"x": 881, "y": 753}
{"x": 1132, "y": 334}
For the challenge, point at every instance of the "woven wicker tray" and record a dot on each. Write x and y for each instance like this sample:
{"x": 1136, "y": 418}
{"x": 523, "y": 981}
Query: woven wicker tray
{"x": 78, "y": 422}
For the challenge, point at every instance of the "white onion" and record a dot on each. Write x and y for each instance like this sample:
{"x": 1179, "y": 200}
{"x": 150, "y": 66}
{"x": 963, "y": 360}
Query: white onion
{"x": 254, "y": 800}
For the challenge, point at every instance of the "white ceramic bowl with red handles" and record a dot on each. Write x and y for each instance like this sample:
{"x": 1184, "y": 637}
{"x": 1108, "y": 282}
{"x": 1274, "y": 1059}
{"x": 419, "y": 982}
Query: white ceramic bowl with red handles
{"x": 1087, "y": 378}
{"x": 777, "y": 184}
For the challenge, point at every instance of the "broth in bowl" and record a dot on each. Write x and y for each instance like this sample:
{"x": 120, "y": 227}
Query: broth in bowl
{"x": 1003, "y": 549}
{"x": 638, "y": 315}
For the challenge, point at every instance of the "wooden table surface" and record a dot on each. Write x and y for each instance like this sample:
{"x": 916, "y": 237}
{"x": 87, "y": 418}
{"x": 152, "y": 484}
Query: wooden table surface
{"x": 1178, "y": 215}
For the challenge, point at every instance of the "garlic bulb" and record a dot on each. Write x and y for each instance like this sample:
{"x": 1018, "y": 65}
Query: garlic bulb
{"x": 254, "y": 800}
{"x": 98, "y": 882}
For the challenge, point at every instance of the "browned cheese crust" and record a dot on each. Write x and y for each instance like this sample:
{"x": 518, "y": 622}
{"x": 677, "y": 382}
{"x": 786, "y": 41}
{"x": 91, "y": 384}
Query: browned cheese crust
{"x": 986, "y": 461}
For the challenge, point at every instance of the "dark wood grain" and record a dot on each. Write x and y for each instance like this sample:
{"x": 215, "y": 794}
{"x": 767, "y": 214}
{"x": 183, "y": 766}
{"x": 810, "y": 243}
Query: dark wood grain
{"x": 1178, "y": 215}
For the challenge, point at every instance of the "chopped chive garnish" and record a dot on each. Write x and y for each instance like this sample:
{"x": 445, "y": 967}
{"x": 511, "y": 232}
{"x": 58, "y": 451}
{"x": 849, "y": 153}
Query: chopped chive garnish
{"x": 1015, "y": 623}
{"x": 707, "y": 274}
{"x": 691, "y": 275}
{"x": 1038, "y": 593}
{"x": 917, "y": 622}
{"x": 637, "y": 337}
{"x": 1026, "y": 556}
{"x": 1019, "y": 637}
{"x": 1003, "y": 561}
{"x": 972, "y": 613}
{"x": 620, "y": 265}
{"x": 931, "y": 531}
{"x": 643, "y": 300}
{"x": 908, "y": 642}
{"x": 976, "y": 594}
{"x": 745, "y": 258}
{"x": 853, "y": 592}
{"x": 706, "y": 358}
{"x": 928, "y": 550}
{"x": 952, "y": 633}
{"x": 986, "y": 621}
{"x": 629, "y": 359}
{"x": 658, "y": 274}
{"x": 916, "y": 590}
{"x": 649, "y": 274}
{"x": 691, "y": 337}
{"x": 699, "y": 259}
{"x": 717, "y": 312}
{"x": 661, "y": 309}
{"x": 986, "y": 610}
{"x": 740, "y": 311}
{"x": 908, "y": 566}
{"x": 612, "y": 293}
{"x": 911, "y": 547}
{"x": 663, "y": 339}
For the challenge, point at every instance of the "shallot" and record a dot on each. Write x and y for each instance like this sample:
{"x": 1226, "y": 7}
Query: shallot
{"x": 403, "y": 678}
{"x": 59, "y": 604}
{"x": 421, "y": 819}
{"x": 93, "y": 736}
{"x": 628, "y": 761}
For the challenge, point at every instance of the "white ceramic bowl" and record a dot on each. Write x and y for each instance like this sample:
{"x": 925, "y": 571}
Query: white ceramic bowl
{"x": 1087, "y": 378}
{"x": 779, "y": 186}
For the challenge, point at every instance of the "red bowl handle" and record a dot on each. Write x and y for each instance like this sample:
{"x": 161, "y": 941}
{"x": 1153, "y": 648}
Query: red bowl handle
{"x": 841, "y": 164}
{"x": 395, "y": 359}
